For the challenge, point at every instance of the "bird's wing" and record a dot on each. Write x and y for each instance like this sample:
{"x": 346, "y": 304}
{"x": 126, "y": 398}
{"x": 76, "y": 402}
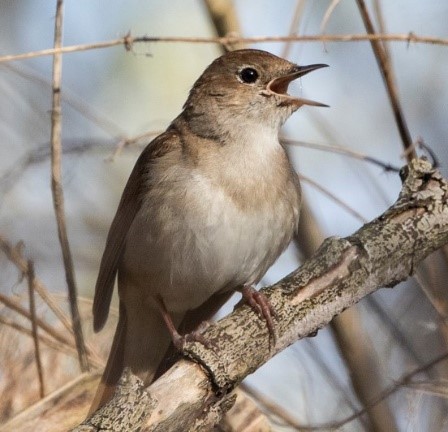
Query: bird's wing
{"x": 128, "y": 207}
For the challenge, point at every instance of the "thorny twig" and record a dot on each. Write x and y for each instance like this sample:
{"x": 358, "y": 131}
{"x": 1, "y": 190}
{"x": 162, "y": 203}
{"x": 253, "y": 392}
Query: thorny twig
{"x": 127, "y": 41}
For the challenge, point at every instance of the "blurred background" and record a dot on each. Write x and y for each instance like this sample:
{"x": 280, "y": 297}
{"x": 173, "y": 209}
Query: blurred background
{"x": 112, "y": 95}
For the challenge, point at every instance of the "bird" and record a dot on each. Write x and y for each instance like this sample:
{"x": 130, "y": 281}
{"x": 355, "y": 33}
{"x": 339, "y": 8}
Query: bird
{"x": 209, "y": 206}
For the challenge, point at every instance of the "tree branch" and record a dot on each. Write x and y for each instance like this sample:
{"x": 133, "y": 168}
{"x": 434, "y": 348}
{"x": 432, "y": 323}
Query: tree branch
{"x": 37, "y": 356}
{"x": 58, "y": 193}
{"x": 385, "y": 66}
{"x": 382, "y": 253}
{"x": 128, "y": 41}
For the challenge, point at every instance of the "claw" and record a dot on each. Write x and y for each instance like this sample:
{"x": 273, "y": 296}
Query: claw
{"x": 260, "y": 304}
{"x": 179, "y": 340}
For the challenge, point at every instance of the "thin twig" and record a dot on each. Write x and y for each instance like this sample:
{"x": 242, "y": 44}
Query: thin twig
{"x": 125, "y": 142}
{"x": 40, "y": 372}
{"x": 405, "y": 380}
{"x": 293, "y": 27}
{"x": 270, "y": 407}
{"x": 225, "y": 20}
{"x": 47, "y": 328}
{"x": 50, "y": 342}
{"x": 42, "y": 153}
{"x": 437, "y": 388}
{"x": 331, "y": 8}
{"x": 15, "y": 256}
{"x": 341, "y": 150}
{"x": 57, "y": 191}
{"x": 393, "y": 325}
{"x": 127, "y": 41}
{"x": 333, "y": 197}
{"x": 433, "y": 157}
{"x": 402, "y": 382}
{"x": 330, "y": 377}
{"x": 386, "y": 71}
{"x": 72, "y": 99}
{"x": 58, "y": 338}
{"x": 381, "y": 24}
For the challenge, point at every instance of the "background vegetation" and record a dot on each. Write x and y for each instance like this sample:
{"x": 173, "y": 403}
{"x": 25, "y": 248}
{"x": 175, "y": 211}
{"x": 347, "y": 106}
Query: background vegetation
{"x": 114, "y": 100}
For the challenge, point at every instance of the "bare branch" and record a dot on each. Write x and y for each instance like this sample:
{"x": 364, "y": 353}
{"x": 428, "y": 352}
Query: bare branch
{"x": 225, "y": 20}
{"x": 40, "y": 373}
{"x": 331, "y": 8}
{"x": 382, "y": 253}
{"x": 49, "y": 341}
{"x": 58, "y": 194}
{"x": 385, "y": 66}
{"x": 334, "y": 198}
{"x": 293, "y": 26}
{"x": 125, "y": 142}
{"x": 437, "y": 388}
{"x": 72, "y": 99}
{"x": 14, "y": 254}
{"x": 127, "y": 41}
{"x": 402, "y": 382}
{"x": 17, "y": 307}
{"x": 341, "y": 150}
{"x": 272, "y": 408}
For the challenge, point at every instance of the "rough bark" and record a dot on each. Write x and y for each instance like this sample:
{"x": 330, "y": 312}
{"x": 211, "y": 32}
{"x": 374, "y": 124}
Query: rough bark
{"x": 197, "y": 391}
{"x": 381, "y": 254}
{"x": 355, "y": 345}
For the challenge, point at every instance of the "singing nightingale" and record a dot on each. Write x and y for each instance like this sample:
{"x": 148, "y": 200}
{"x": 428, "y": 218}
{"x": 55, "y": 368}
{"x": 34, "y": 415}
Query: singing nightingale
{"x": 209, "y": 206}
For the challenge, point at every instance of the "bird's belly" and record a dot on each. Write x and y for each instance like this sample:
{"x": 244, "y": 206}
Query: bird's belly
{"x": 187, "y": 251}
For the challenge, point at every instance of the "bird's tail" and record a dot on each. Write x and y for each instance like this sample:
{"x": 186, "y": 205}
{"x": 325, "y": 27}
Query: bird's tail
{"x": 114, "y": 366}
{"x": 141, "y": 341}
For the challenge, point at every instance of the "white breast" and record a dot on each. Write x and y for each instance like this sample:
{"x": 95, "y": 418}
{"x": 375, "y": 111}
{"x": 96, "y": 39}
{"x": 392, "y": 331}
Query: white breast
{"x": 193, "y": 240}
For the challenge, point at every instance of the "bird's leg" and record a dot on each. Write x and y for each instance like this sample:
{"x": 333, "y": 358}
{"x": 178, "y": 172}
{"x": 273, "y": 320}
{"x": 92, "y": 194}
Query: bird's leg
{"x": 260, "y": 304}
{"x": 179, "y": 340}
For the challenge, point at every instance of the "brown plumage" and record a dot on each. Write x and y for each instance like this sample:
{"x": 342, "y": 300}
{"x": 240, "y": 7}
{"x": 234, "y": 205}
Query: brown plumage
{"x": 209, "y": 206}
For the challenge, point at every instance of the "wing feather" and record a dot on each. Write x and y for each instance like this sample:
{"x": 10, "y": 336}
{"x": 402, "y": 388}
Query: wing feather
{"x": 128, "y": 207}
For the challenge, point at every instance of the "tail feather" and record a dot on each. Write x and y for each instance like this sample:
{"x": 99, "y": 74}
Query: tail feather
{"x": 142, "y": 343}
{"x": 114, "y": 367}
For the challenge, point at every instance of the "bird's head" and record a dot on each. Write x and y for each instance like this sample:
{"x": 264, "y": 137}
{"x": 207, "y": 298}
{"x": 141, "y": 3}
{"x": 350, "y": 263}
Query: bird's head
{"x": 248, "y": 85}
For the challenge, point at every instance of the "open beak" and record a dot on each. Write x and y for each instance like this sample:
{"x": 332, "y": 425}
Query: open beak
{"x": 279, "y": 86}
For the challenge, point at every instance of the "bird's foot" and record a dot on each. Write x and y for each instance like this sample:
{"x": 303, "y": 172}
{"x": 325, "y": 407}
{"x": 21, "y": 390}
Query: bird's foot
{"x": 260, "y": 304}
{"x": 179, "y": 340}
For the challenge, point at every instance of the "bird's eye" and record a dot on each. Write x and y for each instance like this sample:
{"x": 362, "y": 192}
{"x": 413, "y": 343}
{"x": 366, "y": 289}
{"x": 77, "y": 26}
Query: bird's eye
{"x": 248, "y": 75}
